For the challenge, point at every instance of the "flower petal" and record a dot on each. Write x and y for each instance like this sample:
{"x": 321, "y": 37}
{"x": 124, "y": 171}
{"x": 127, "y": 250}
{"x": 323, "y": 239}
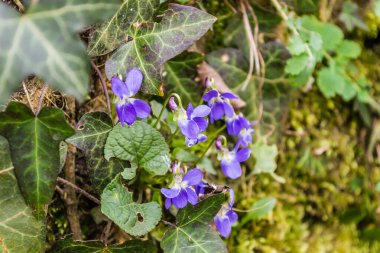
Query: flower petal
{"x": 231, "y": 169}
{"x": 134, "y": 80}
{"x": 190, "y": 142}
{"x": 217, "y": 112}
{"x": 193, "y": 177}
{"x": 181, "y": 200}
{"x": 142, "y": 108}
{"x": 168, "y": 203}
{"x": 192, "y": 196}
{"x": 209, "y": 95}
{"x": 171, "y": 193}
{"x": 229, "y": 95}
{"x": 232, "y": 198}
{"x": 189, "y": 128}
{"x": 243, "y": 154}
{"x": 129, "y": 114}
{"x": 202, "y": 123}
{"x": 202, "y": 138}
{"x": 232, "y": 216}
{"x": 119, "y": 87}
{"x": 189, "y": 110}
{"x": 119, "y": 110}
{"x": 201, "y": 111}
{"x": 223, "y": 225}
{"x": 228, "y": 110}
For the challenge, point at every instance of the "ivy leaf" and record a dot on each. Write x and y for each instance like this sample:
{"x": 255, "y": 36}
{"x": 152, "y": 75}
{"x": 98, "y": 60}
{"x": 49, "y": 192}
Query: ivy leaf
{"x": 20, "y": 231}
{"x": 34, "y": 144}
{"x": 330, "y": 82}
{"x": 180, "y": 74}
{"x": 259, "y": 209}
{"x": 42, "y": 42}
{"x": 136, "y": 219}
{"x": 193, "y": 232}
{"x": 111, "y": 34}
{"x": 91, "y": 135}
{"x": 155, "y": 43}
{"x": 140, "y": 144}
{"x": 132, "y": 246}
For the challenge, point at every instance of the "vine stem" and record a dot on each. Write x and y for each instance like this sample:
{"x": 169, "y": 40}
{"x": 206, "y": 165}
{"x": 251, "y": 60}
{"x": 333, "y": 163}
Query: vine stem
{"x": 212, "y": 142}
{"x": 104, "y": 85}
{"x": 86, "y": 194}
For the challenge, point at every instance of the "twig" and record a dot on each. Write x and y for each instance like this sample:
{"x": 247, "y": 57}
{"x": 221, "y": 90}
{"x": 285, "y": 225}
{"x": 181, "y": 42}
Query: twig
{"x": 105, "y": 90}
{"x": 20, "y": 6}
{"x": 86, "y": 194}
{"x": 107, "y": 231}
{"x": 168, "y": 223}
{"x": 41, "y": 98}
{"x": 27, "y": 96}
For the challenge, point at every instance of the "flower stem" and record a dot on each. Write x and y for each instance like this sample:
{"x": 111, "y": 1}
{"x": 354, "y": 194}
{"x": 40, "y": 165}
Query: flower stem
{"x": 212, "y": 142}
{"x": 164, "y": 106}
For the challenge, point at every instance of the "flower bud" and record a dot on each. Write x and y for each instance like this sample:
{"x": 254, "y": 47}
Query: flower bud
{"x": 172, "y": 104}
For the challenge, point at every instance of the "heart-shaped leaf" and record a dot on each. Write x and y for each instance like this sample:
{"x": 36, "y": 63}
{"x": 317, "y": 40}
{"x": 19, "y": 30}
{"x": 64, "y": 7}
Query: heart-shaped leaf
{"x": 136, "y": 219}
{"x": 155, "y": 43}
{"x": 140, "y": 144}
{"x": 193, "y": 232}
{"x": 132, "y": 246}
{"x": 91, "y": 135}
{"x": 35, "y": 149}
{"x": 111, "y": 34}
{"x": 42, "y": 42}
{"x": 20, "y": 231}
{"x": 180, "y": 74}
{"x": 259, "y": 209}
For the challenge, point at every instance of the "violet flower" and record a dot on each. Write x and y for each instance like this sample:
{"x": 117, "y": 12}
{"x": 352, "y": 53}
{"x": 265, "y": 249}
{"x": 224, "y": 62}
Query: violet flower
{"x": 230, "y": 160}
{"x": 245, "y": 136}
{"x": 128, "y": 108}
{"x": 191, "y": 122}
{"x": 191, "y": 142}
{"x": 236, "y": 123}
{"x": 226, "y": 217}
{"x": 219, "y": 104}
{"x": 182, "y": 191}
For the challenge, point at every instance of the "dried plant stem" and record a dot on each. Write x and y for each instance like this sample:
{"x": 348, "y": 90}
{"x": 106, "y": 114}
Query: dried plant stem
{"x": 86, "y": 194}
{"x": 104, "y": 85}
{"x": 27, "y": 96}
{"x": 44, "y": 88}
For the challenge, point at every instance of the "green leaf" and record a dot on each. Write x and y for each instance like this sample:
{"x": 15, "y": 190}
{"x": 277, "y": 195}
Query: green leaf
{"x": 111, "y": 34}
{"x": 331, "y": 34}
{"x": 348, "y": 49}
{"x": 136, "y": 219}
{"x": 91, "y": 135}
{"x": 42, "y": 42}
{"x": 377, "y": 8}
{"x": 259, "y": 209}
{"x": 297, "y": 64}
{"x": 349, "y": 16}
{"x": 193, "y": 232}
{"x": 34, "y": 144}
{"x": 155, "y": 43}
{"x": 140, "y": 144}
{"x": 20, "y": 231}
{"x": 305, "y": 6}
{"x": 296, "y": 45}
{"x": 349, "y": 90}
{"x": 265, "y": 156}
{"x": 132, "y": 246}
{"x": 180, "y": 74}
{"x": 330, "y": 82}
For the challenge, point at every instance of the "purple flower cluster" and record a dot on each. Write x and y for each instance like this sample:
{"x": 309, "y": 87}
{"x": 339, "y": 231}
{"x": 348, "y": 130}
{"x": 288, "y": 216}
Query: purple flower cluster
{"x": 128, "y": 108}
{"x": 230, "y": 160}
{"x": 226, "y": 217}
{"x": 182, "y": 190}
{"x": 219, "y": 104}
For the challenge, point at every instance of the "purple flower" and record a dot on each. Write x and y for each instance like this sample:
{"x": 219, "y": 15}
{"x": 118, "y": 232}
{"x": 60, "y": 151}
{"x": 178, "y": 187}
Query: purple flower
{"x": 182, "y": 192}
{"x": 236, "y": 123}
{"x": 219, "y": 104}
{"x": 192, "y": 142}
{"x": 226, "y": 217}
{"x": 191, "y": 122}
{"x": 230, "y": 161}
{"x": 128, "y": 108}
{"x": 245, "y": 136}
